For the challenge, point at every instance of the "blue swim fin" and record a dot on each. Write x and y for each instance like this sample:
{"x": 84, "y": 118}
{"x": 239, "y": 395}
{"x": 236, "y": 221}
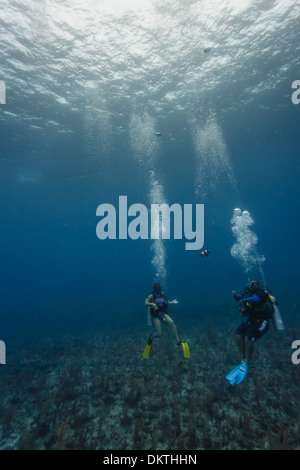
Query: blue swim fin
{"x": 237, "y": 375}
{"x": 232, "y": 374}
{"x": 241, "y": 373}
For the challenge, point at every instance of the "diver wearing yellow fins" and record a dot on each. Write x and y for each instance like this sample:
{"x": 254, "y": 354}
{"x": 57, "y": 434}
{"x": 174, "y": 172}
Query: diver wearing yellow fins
{"x": 158, "y": 304}
{"x": 258, "y": 308}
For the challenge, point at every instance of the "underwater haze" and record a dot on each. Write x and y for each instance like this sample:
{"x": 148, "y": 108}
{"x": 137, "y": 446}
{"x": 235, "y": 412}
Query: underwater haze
{"x": 162, "y": 101}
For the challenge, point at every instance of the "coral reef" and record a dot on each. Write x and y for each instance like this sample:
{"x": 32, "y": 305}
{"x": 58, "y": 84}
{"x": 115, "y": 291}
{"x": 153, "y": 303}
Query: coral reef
{"x": 94, "y": 391}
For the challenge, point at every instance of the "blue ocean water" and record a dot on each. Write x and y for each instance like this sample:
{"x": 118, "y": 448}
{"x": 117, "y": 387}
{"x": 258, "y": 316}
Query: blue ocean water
{"x": 72, "y": 91}
{"x": 88, "y": 87}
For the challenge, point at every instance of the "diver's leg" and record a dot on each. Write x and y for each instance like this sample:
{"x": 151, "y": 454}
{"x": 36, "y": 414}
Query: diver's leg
{"x": 255, "y": 331}
{"x": 172, "y": 325}
{"x": 249, "y": 347}
{"x": 157, "y": 325}
{"x": 241, "y": 342}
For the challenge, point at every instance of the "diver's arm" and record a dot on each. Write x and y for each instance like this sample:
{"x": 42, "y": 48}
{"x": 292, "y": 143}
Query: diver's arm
{"x": 237, "y": 296}
{"x": 254, "y": 299}
{"x": 149, "y": 303}
{"x": 175, "y": 301}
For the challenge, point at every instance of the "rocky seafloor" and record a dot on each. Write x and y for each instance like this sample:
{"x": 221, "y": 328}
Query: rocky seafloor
{"x": 95, "y": 391}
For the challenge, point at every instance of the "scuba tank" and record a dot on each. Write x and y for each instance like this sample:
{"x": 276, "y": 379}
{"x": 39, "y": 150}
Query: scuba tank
{"x": 149, "y": 319}
{"x": 276, "y": 318}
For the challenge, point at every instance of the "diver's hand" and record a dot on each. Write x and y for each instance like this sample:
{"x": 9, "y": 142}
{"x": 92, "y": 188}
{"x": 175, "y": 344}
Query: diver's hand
{"x": 175, "y": 301}
{"x": 155, "y": 306}
{"x": 233, "y": 293}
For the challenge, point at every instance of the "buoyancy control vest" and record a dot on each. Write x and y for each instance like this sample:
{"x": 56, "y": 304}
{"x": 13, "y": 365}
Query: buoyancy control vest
{"x": 162, "y": 304}
{"x": 263, "y": 310}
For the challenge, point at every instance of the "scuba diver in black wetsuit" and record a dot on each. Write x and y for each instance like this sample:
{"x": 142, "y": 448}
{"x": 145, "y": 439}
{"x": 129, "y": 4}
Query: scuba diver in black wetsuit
{"x": 258, "y": 309}
{"x": 158, "y": 304}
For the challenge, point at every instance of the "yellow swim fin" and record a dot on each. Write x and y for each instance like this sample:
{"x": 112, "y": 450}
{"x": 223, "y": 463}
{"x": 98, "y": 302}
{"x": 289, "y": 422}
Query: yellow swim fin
{"x": 147, "y": 348}
{"x": 185, "y": 350}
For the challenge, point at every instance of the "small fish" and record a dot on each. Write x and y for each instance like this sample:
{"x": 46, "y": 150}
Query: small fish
{"x": 206, "y": 50}
{"x": 158, "y": 134}
{"x": 205, "y": 253}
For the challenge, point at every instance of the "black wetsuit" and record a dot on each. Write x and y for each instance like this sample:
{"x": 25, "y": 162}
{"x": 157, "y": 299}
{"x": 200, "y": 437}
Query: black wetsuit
{"x": 258, "y": 309}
